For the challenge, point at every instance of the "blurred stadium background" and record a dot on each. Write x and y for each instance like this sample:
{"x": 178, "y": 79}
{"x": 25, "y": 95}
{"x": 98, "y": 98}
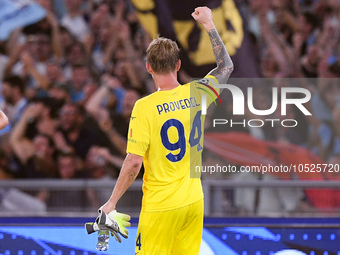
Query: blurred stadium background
{"x": 70, "y": 72}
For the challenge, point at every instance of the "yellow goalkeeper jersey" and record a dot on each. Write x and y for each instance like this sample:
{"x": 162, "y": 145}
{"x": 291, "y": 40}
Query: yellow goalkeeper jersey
{"x": 166, "y": 128}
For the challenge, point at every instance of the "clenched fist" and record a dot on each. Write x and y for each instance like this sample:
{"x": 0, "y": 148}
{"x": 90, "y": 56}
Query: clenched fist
{"x": 203, "y": 15}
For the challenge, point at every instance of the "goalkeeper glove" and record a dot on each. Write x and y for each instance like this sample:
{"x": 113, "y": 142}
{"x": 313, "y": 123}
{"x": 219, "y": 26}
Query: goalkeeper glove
{"x": 115, "y": 222}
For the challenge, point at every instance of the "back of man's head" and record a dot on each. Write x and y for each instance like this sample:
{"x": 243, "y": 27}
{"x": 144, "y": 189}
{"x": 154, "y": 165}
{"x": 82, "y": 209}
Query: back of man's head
{"x": 15, "y": 81}
{"x": 162, "y": 55}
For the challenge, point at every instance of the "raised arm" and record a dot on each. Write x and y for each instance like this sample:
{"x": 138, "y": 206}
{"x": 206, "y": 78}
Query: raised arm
{"x": 22, "y": 147}
{"x": 224, "y": 63}
{"x": 58, "y": 49}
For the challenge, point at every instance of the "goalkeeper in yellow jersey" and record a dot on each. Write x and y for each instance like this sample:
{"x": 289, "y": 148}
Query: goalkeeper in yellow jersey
{"x": 166, "y": 134}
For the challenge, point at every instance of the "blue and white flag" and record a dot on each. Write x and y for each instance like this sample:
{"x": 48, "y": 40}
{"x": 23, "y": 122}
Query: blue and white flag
{"x": 18, "y": 13}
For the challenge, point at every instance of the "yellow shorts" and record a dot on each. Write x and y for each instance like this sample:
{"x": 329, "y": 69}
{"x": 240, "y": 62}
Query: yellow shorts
{"x": 177, "y": 231}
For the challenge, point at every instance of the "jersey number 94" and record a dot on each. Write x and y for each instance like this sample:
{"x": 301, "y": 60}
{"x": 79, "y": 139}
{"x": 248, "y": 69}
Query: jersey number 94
{"x": 180, "y": 144}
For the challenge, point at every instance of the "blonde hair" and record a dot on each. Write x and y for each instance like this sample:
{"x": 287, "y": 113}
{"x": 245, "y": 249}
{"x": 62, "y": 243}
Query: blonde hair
{"x": 162, "y": 55}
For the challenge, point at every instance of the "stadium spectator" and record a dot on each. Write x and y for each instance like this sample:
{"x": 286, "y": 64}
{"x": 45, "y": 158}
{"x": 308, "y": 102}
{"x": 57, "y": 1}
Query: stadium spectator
{"x": 67, "y": 38}
{"x": 74, "y": 20}
{"x": 130, "y": 97}
{"x": 54, "y": 73}
{"x": 36, "y": 155}
{"x": 80, "y": 78}
{"x": 46, "y": 121}
{"x": 13, "y": 91}
{"x": 73, "y": 136}
{"x": 115, "y": 125}
{"x": 68, "y": 167}
{"x": 42, "y": 44}
{"x": 101, "y": 163}
{"x": 75, "y": 56}
{"x": 60, "y": 92}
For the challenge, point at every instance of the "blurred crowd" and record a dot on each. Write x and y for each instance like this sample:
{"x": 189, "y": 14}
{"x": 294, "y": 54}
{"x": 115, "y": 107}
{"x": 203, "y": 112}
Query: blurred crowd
{"x": 297, "y": 45}
{"x": 300, "y": 39}
{"x": 69, "y": 82}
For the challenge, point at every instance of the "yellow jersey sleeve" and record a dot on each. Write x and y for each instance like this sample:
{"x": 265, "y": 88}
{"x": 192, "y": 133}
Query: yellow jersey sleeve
{"x": 207, "y": 86}
{"x": 139, "y": 131}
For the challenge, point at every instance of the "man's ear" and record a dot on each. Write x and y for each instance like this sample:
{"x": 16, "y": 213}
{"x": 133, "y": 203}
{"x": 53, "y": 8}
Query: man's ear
{"x": 149, "y": 68}
{"x": 178, "y": 65}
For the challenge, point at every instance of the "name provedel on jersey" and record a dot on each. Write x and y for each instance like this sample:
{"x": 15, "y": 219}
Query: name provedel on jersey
{"x": 177, "y": 105}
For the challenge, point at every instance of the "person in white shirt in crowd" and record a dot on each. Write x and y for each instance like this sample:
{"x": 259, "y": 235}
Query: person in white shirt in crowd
{"x": 74, "y": 20}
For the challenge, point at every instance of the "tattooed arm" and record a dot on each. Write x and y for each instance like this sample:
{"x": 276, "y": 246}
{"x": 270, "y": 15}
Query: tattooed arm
{"x": 224, "y": 63}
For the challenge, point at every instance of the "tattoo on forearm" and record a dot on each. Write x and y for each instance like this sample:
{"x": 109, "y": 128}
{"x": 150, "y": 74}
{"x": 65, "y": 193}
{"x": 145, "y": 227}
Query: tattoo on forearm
{"x": 131, "y": 177}
{"x": 224, "y": 63}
